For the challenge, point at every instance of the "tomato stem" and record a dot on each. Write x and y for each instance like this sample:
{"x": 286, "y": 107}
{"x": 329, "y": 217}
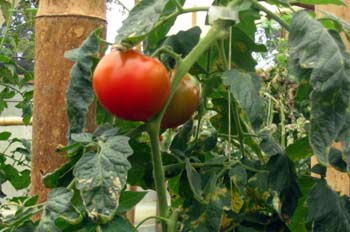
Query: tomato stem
{"x": 278, "y": 19}
{"x": 167, "y": 50}
{"x": 153, "y": 129}
{"x": 217, "y": 31}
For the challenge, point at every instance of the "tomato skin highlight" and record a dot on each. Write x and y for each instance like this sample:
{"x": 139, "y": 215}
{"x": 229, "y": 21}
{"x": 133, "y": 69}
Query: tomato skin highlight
{"x": 183, "y": 104}
{"x": 131, "y": 85}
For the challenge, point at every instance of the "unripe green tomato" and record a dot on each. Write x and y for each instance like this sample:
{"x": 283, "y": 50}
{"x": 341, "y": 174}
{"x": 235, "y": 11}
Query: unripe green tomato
{"x": 131, "y": 85}
{"x": 184, "y": 103}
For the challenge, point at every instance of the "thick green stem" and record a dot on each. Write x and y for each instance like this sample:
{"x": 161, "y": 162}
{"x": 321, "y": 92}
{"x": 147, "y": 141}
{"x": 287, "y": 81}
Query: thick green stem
{"x": 217, "y": 31}
{"x": 271, "y": 14}
{"x": 238, "y": 125}
{"x": 158, "y": 171}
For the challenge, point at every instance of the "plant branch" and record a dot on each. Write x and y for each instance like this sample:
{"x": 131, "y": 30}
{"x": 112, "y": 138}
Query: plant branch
{"x": 179, "y": 12}
{"x": 167, "y": 50}
{"x": 8, "y": 23}
{"x": 271, "y": 14}
{"x": 152, "y": 217}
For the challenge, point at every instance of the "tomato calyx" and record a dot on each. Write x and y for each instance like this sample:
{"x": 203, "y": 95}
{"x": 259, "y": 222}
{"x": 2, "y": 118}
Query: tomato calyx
{"x": 121, "y": 47}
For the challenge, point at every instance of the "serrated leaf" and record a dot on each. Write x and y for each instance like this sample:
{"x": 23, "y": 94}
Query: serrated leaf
{"x": 140, "y": 21}
{"x": 207, "y": 217}
{"x": 332, "y": 214}
{"x": 18, "y": 179}
{"x": 194, "y": 179}
{"x": 129, "y": 200}
{"x": 58, "y": 205}
{"x": 79, "y": 93}
{"x": 245, "y": 88}
{"x": 314, "y": 48}
{"x": 101, "y": 176}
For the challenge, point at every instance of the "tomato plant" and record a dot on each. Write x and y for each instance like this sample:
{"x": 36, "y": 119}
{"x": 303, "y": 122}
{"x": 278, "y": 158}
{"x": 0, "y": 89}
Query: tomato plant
{"x": 183, "y": 104}
{"x": 131, "y": 85}
{"x": 243, "y": 163}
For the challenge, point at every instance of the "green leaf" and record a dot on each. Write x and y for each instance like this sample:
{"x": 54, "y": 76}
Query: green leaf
{"x": 22, "y": 217}
{"x": 336, "y": 160}
{"x": 153, "y": 39}
{"x": 314, "y": 48}
{"x": 5, "y": 135}
{"x": 140, "y": 174}
{"x": 101, "y": 176}
{"x": 282, "y": 178}
{"x": 62, "y": 176}
{"x": 207, "y": 217}
{"x": 19, "y": 180}
{"x": 79, "y": 93}
{"x": 239, "y": 177}
{"x": 181, "y": 43}
{"x": 58, "y": 205}
{"x": 245, "y": 88}
{"x": 319, "y": 169}
{"x": 332, "y": 214}
{"x": 129, "y": 200}
{"x": 5, "y": 7}
{"x": 300, "y": 149}
{"x": 181, "y": 139}
{"x": 339, "y": 24}
{"x": 341, "y": 159}
{"x": 119, "y": 222}
{"x": 242, "y": 47}
{"x": 140, "y": 21}
{"x": 194, "y": 179}
{"x": 82, "y": 137}
{"x": 298, "y": 220}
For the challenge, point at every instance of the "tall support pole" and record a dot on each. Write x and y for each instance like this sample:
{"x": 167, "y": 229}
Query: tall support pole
{"x": 60, "y": 26}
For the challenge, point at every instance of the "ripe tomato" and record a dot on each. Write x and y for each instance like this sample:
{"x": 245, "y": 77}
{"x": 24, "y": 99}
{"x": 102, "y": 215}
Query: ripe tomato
{"x": 184, "y": 103}
{"x": 131, "y": 85}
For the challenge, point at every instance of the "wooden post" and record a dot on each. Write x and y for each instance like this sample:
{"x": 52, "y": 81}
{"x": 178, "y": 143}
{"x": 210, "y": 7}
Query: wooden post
{"x": 60, "y": 26}
{"x": 339, "y": 181}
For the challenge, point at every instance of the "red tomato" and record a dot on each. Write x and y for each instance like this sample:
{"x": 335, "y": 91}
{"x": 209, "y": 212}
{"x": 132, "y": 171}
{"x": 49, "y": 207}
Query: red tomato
{"x": 184, "y": 103}
{"x": 131, "y": 85}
